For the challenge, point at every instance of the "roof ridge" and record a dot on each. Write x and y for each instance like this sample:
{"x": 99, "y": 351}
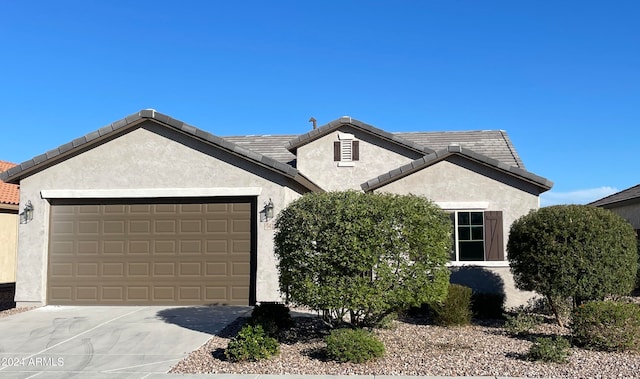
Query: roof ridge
{"x": 327, "y": 128}
{"x": 512, "y": 149}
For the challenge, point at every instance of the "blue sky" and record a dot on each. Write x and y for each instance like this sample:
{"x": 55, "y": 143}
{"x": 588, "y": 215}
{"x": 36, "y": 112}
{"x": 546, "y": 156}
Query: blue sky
{"x": 562, "y": 78}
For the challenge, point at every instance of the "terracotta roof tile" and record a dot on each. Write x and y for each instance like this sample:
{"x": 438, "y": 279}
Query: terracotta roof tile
{"x": 9, "y": 193}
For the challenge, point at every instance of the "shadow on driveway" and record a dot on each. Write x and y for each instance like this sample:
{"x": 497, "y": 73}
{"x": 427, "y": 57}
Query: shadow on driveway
{"x": 210, "y": 319}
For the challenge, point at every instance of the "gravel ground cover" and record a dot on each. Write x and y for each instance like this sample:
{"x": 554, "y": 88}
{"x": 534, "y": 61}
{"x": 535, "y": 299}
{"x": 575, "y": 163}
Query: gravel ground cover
{"x": 414, "y": 347}
{"x": 10, "y": 309}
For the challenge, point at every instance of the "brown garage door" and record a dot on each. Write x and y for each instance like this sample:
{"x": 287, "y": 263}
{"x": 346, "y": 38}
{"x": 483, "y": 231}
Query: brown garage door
{"x": 182, "y": 253}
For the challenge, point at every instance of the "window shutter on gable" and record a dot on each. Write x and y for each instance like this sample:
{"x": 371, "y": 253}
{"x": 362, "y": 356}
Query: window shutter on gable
{"x": 336, "y": 151}
{"x": 355, "y": 153}
{"x": 494, "y": 246}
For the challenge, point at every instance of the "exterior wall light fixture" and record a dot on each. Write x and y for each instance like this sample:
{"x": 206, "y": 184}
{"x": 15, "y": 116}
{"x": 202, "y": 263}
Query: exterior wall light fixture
{"x": 268, "y": 209}
{"x": 27, "y": 213}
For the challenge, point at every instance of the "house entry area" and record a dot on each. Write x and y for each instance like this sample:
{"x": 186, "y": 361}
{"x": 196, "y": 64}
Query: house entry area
{"x": 191, "y": 251}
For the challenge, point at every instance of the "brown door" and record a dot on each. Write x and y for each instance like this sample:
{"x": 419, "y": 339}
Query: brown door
{"x": 151, "y": 252}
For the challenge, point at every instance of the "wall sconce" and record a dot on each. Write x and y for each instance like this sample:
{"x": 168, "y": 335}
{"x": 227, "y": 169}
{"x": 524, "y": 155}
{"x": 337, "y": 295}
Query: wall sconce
{"x": 27, "y": 213}
{"x": 268, "y": 209}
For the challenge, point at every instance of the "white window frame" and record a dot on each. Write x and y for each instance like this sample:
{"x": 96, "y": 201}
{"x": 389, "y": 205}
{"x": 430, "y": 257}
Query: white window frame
{"x": 467, "y": 206}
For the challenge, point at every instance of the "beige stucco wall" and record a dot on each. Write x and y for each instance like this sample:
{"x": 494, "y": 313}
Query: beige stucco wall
{"x": 630, "y": 212}
{"x": 146, "y": 158}
{"x": 457, "y": 180}
{"x": 8, "y": 245}
{"x": 377, "y": 157}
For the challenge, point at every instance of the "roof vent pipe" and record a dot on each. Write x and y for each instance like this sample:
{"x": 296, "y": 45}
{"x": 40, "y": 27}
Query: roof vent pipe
{"x": 313, "y": 120}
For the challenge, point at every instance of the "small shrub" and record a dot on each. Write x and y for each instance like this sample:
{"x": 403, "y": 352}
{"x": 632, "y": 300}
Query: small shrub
{"x": 353, "y": 345}
{"x": 487, "y": 305}
{"x": 456, "y": 308}
{"x": 607, "y": 326}
{"x": 251, "y": 344}
{"x": 273, "y": 317}
{"x": 522, "y": 323}
{"x": 549, "y": 349}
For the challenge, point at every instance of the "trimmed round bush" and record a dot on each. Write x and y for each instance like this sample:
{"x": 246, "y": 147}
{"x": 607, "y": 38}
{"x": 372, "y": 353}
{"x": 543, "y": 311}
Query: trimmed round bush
{"x": 573, "y": 251}
{"x": 455, "y": 310}
{"x": 353, "y": 345}
{"x": 607, "y": 326}
{"x": 360, "y": 257}
{"x": 251, "y": 344}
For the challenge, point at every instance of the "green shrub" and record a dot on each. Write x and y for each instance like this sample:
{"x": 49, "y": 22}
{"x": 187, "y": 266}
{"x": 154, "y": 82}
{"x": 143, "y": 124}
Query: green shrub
{"x": 549, "y": 349}
{"x": 273, "y": 317}
{"x": 607, "y": 326}
{"x": 573, "y": 251}
{"x": 487, "y": 305}
{"x": 251, "y": 344}
{"x": 362, "y": 255}
{"x": 456, "y": 308}
{"x": 353, "y": 345}
{"x": 522, "y": 323}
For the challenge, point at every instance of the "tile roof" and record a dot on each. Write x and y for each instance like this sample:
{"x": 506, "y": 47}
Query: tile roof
{"x": 492, "y": 143}
{"x": 440, "y": 155}
{"x": 15, "y": 173}
{"x": 323, "y": 130}
{"x": 277, "y": 152}
{"x": 629, "y": 194}
{"x": 9, "y": 193}
{"x": 272, "y": 146}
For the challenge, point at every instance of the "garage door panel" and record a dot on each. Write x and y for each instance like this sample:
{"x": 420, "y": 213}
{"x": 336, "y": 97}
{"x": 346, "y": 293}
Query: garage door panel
{"x": 150, "y": 254}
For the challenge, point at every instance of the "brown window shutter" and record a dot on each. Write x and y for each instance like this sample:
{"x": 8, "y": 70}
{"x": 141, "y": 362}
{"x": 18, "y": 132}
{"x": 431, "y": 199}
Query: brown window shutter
{"x": 355, "y": 153}
{"x": 336, "y": 151}
{"x": 493, "y": 243}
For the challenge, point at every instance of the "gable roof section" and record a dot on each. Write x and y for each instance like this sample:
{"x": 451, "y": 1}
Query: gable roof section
{"x": 491, "y": 143}
{"x": 14, "y": 174}
{"x": 323, "y": 130}
{"x": 626, "y": 196}
{"x": 9, "y": 193}
{"x": 441, "y": 155}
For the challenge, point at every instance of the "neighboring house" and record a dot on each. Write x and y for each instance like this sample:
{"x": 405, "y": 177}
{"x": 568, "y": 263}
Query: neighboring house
{"x": 9, "y": 199}
{"x": 625, "y": 203}
{"x": 149, "y": 210}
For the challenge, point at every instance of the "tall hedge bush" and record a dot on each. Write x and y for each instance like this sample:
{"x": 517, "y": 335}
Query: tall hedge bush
{"x": 362, "y": 255}
{"x": 576, "y": 251}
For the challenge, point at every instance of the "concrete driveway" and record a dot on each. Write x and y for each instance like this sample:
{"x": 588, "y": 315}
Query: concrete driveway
{"x": 105, "y": 342}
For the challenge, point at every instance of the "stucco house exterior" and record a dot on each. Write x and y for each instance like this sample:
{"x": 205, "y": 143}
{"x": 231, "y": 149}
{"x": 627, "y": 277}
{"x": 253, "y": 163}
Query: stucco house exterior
{"x": 625, "y": 203}
{"x": 9, "y": 199}
{"x": 150, "y": 210}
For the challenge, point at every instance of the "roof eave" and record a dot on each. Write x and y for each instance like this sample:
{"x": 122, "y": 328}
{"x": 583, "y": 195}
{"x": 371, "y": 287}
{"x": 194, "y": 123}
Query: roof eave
{"x": 541, "y": 183}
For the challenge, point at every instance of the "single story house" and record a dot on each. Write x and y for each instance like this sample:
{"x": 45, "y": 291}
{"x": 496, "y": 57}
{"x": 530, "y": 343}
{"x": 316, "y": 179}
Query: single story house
{"x": 9, "y": 199}
{"x": 150, "y": 210}
{"x": 625, "y": 203}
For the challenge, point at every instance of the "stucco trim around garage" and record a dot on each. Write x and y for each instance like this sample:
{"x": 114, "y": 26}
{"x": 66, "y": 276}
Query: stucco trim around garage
{"x": 323, "y": 130}
{"x": 149, "y": 192}
{"x": 542, "y": 183}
